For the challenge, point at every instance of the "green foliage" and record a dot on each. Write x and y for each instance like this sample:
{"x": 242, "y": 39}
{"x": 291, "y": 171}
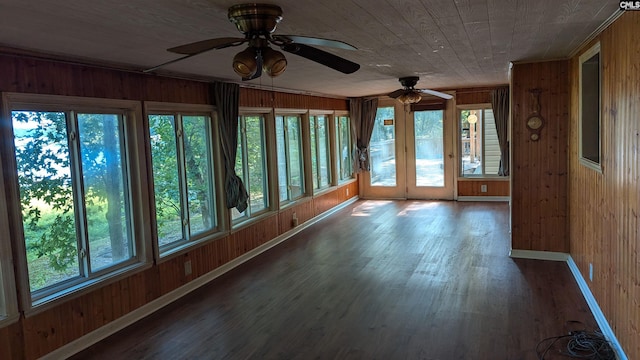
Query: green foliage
{"x": 42, "y": 157}
{"x": 47, "y": 196}
{"x": 58, "y": 243}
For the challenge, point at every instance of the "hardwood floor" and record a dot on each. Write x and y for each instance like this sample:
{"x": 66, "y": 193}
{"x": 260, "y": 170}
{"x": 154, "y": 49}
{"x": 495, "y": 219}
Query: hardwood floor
{"x": 378, "y": 280}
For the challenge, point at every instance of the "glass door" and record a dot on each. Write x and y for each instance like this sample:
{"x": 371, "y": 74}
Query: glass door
{"x": 429, "y": 155}
{"x": 411, "y": 154}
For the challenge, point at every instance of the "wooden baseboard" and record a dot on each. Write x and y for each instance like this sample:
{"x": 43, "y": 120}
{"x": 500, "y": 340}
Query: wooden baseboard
{"x": 111, "y": 328}
{"x": 584, "y": 288}
{"x": 595, "y": 310}
{"x": 483, "y": 198}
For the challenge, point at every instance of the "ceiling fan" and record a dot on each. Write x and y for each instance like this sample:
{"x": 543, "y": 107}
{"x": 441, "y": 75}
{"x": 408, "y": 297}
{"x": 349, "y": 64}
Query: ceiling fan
{"x": 257, "y": 22}
{"x": 410, "y": 95}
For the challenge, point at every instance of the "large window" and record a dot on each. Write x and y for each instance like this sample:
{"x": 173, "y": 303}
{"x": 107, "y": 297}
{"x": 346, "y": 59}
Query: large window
{"x": 73, "y": 192}
{"x": 251, "y": 164}
{"x": 590, "y": 108}
{"x": 290, "y": 159}
{"x": 182, "y": 158}
{"x": 479, "y": 147}
{"x": 383, "y": 148}
{"x": 343, "y": 152}
{"x": 320, "y": 157}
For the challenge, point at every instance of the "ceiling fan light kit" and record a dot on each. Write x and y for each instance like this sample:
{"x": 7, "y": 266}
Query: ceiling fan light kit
{"x": 257, "y": 22}
{"x": 410, "y": 95}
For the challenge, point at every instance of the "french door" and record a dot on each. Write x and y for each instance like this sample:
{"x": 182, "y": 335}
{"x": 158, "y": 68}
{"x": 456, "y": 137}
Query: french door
{"x": 412, "y": 154}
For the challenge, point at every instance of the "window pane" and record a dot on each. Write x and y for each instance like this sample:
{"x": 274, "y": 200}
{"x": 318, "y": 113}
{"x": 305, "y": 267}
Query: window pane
{"x": 480, "y": 148}
{"x": 197, "y": 157}
{"x": 166, "y": 178}
{"x": 470, "y": 142}
{"x": 383, "y": 149}
{"x": 314, "y": 151}
{"x": 344, "y": 148}
{"x": 104, "y": 196}
{"x": 281, "y": 149}
{"x": 323, "y": 152}
{"x": 491, "y": 155}
{"x": 294, "y": 148}
{"x": 256, "y": 163}
{"x": 46, "y": 197}
{"x": 429, "y": 148}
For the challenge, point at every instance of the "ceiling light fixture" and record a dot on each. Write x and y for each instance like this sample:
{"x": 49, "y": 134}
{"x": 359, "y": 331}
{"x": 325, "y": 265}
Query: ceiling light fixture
{"x": 410, "y": 97}
{"x": 247, "y": 62}
{"x": 274, "y": 62}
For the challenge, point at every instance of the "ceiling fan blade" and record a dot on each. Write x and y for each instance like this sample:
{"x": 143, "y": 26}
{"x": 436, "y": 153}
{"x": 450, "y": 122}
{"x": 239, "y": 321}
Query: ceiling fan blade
{"x": 396, "y": 93}
{"x": 436, "y": 93}
{"x": 322, "y": 57}
{"x": 199, "y": 47}
{"x": 287, "y": 39}
{"x": 168, "y": 63}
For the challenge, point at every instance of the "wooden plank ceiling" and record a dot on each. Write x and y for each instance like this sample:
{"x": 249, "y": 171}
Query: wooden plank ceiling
{"x": 448, "y": 43}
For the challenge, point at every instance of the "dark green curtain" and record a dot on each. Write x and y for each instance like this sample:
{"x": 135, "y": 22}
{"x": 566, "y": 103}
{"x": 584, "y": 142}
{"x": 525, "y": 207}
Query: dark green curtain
{"x": 500, "y": 105}
{"x": 363, "y": 115}
{"x": 225, "y": 96}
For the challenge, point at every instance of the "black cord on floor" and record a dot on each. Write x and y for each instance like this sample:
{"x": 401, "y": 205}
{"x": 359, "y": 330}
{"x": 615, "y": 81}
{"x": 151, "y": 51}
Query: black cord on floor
{"x": 581, "y": 344}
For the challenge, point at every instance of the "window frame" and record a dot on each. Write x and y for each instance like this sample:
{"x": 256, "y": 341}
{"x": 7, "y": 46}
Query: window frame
{"x": 8, "y": 295}
{"x": 584, "y": 58}
{"x": 221, "y": 215}
{"x": 133, "y": 144}
{"x": 460, "y": 173}
{"x": 314, "y": 130}
{"x": 338, "y": 151}
{"x": 264, "y": 115}
{"x": 302, "y": 116}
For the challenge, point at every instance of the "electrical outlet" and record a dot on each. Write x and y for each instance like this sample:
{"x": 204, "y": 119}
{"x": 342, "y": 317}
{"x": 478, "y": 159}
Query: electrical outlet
{"x": 294, "y": 220}
{"x": 347, "y": 191}
{"x": 590, "y": 272}
{"x": 483, "y": 188}
{"x": 187, "y": 267}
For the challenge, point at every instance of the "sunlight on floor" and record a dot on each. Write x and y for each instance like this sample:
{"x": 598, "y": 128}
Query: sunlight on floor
{"x": 365, "y": 208}
{"x": 419, "y": 206}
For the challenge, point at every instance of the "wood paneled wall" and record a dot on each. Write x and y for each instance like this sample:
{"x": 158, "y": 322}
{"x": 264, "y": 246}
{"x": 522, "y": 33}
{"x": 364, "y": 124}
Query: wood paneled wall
{"x": 275, "y": 99}
{"x": 604, "y": 207}
{"x": 36, "y": 76}
{"x": 38, "y": 334}
{"x": 539, "y": 168}
{"x": 473, "y": 187}
{"x": 481, "y": 95}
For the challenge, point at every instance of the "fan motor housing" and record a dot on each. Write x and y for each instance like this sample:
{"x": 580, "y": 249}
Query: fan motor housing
{"x": 259, "y": 19}
{"x": 409, "y": 81}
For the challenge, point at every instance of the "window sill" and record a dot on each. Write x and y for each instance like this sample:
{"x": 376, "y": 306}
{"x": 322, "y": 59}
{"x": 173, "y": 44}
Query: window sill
{"x": 250, "y": 221}
{"x": 83, "y": 288}
{"x": 8, "y": 320}
{"x": 295, "y": 202}
{"x": 591, "y": 164}
{"x": 347, "y": 181}
{"x": 324, "y": 190}
{"x": 190, "y": 246}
